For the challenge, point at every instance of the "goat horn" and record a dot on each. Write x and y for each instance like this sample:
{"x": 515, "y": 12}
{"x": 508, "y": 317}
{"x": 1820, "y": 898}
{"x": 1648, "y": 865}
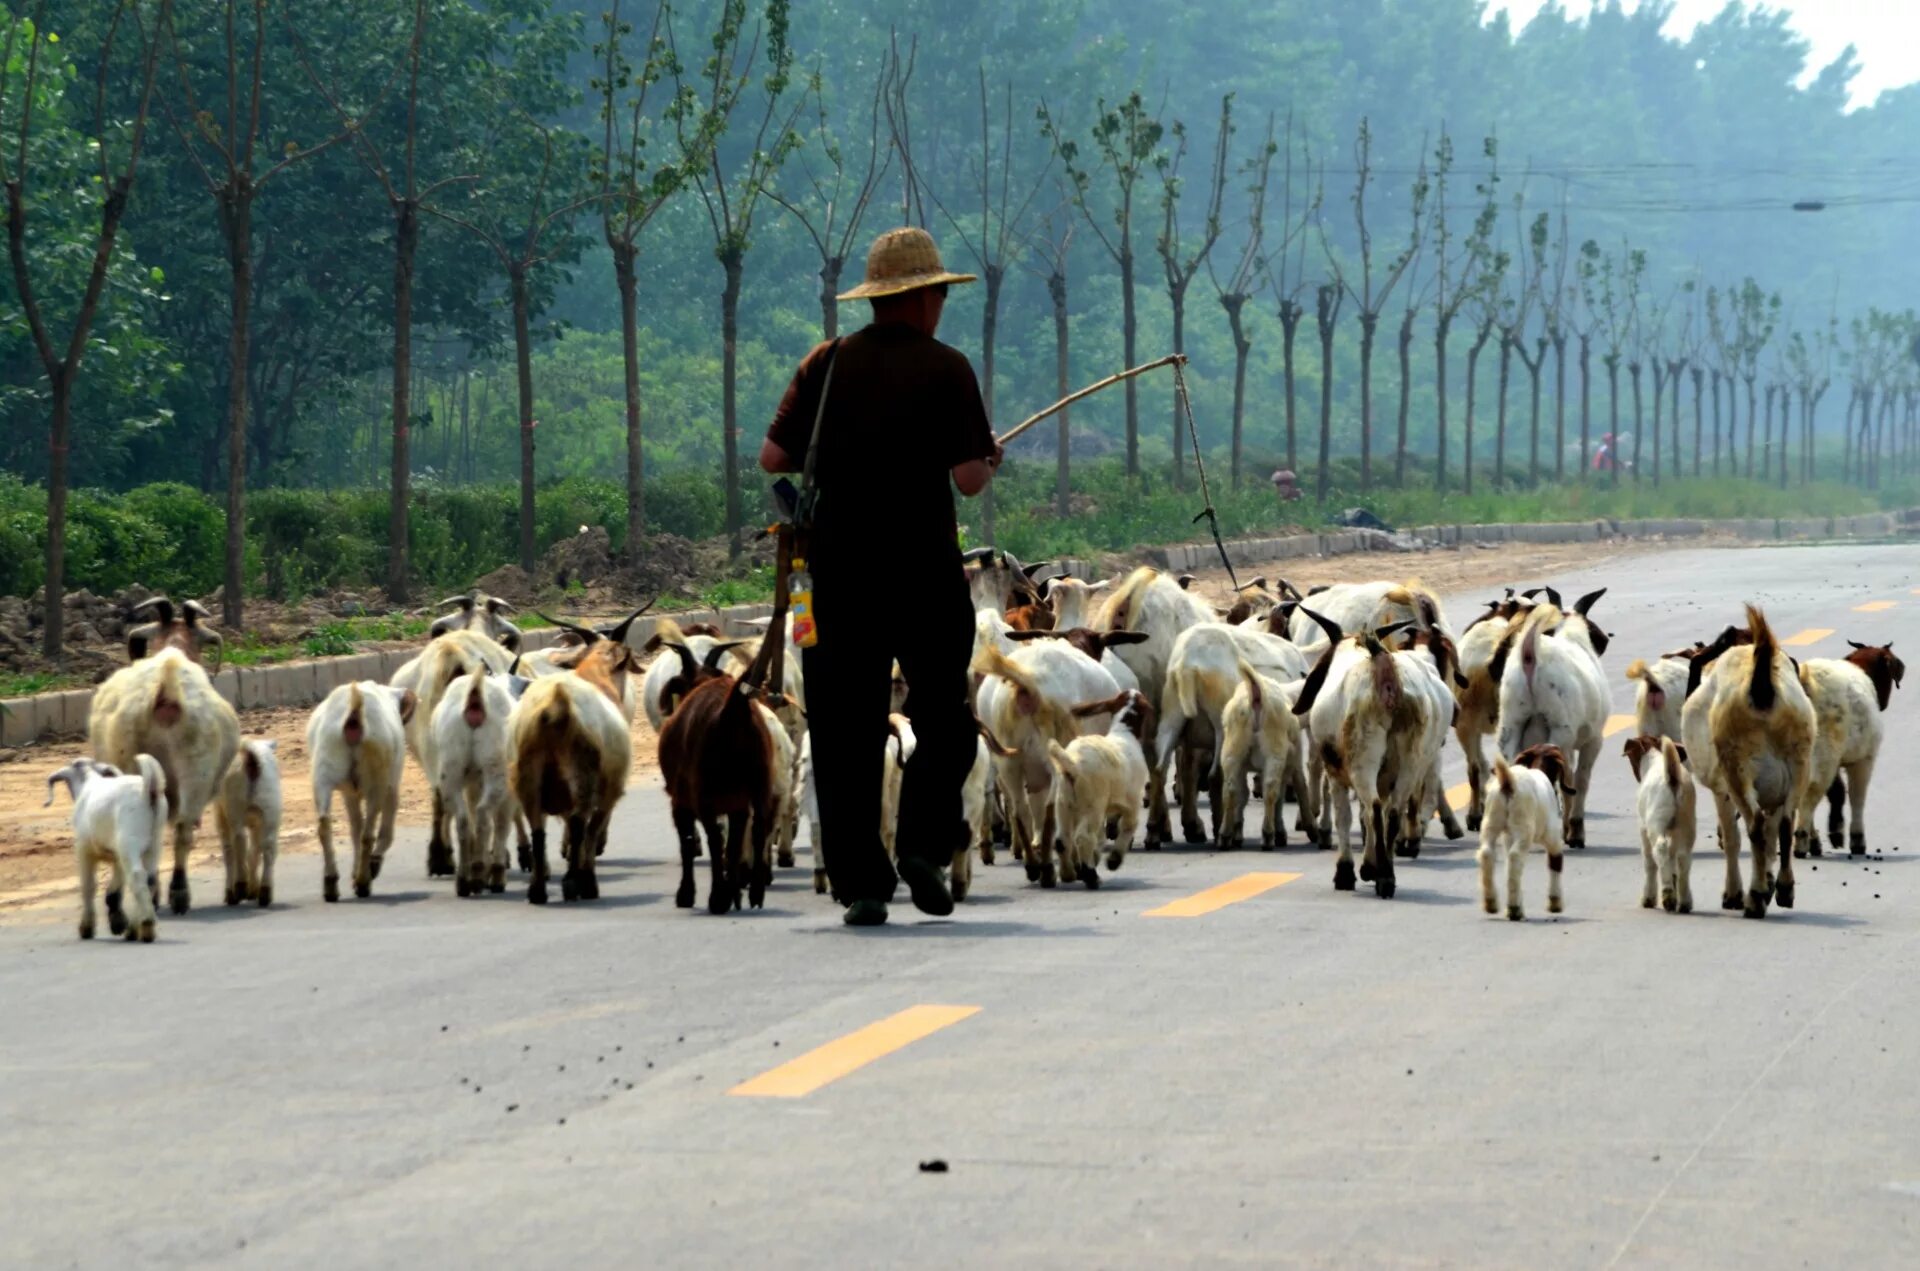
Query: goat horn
{"x": 158, "y": 603}
{"x": 194, "y": 609}
{"x": 973, "y": 554}
{"x": 618, "y": 632}
{"x": 587, "y": 634}
{"x": 219, "y": 643}
{"x": 495, "y": 604}
{"x": 465, "y": 602}
{"x": 1326, "y": 624}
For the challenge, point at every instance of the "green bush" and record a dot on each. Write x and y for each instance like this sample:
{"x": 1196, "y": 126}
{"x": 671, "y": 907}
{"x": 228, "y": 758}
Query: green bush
{"x": 194, "y": 531}
{"x": 686, "y": 502}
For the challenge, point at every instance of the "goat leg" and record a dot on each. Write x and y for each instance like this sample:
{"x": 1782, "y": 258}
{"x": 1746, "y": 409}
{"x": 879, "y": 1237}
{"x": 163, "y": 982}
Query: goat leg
{"x": 689, "y": 834}
{"x": 537, "y": 884}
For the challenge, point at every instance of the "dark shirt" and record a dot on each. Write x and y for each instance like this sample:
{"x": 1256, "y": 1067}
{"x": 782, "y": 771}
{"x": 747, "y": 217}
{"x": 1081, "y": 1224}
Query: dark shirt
{"x": 903, "y": 411}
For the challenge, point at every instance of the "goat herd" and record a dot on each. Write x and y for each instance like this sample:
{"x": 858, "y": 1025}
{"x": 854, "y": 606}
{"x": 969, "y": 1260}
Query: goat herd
{"x": 1088, "y": 696}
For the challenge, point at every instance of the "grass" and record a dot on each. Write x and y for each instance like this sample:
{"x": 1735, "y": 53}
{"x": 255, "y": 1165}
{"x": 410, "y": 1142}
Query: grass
{"x": 26, "y": 684}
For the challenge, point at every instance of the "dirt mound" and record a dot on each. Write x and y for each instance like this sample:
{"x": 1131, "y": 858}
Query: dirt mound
{"x": 666, "y": 564}
{"x": 583, "y": 559}
{"x": 510, "y": 583}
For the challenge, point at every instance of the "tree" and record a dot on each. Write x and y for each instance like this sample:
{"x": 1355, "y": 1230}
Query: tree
{"x": 1052, "y": 248}
{"x": 1555, "y": 300}
{"x": 1756, "y": 314}
{"x": 1455, "y": 282}
{"x": 634, "y": 187}
{"x": 1726, "y": 357}
{"x": 831, "y": 211}
{"x": 1488, "y": 266}
{"x": 1289, "y": 279}
{"x": 1125, "y": 138}
{"x": 1612, "y": 293}
{"x": 1237, "y": 287}
{"x": 1368, "y": 298}
{"x": 732, "y": 198}
{"x": 40, "y": 155}
{"x": 995, "y": 243}
{"x": 532, "y": 178}
{"x": 1516, "y": 313}
{"x": 1180, "y": 266}
{"x": 224, "y": 154}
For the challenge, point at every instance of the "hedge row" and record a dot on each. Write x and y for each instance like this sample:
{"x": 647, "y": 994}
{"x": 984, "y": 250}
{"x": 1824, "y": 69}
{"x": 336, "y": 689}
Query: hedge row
{"x": 171, "y": 537}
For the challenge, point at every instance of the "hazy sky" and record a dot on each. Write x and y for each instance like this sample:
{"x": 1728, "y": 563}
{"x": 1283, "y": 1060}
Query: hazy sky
{"x": 1885, "y": 33}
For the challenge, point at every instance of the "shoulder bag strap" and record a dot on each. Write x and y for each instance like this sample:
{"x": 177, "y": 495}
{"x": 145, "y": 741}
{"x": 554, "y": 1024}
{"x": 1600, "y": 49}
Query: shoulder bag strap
{"x": 808, "y": 495}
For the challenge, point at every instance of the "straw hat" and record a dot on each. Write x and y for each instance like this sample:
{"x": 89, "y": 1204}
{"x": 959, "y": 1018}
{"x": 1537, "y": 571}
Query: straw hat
{"x": 903, "y": 260}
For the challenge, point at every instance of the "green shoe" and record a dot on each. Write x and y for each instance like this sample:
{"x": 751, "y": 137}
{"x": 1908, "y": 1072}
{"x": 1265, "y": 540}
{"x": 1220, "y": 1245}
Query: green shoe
{"x": 865, "y": 913}
{"x": 923, "y": 879}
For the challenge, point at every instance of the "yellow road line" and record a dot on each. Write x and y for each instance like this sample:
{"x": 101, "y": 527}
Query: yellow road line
{"x": 1875, "y": 606}
{"x": 800, "y": 1077}
{"x": 1244, "y": 887}
{"x": 1460, "y": 797}
{"x": 1812, "y": 635}
{"x": 1619, "y": 724}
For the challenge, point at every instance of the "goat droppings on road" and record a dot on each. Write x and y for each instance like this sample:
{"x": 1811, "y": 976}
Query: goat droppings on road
{"x": 935, "y": 1166}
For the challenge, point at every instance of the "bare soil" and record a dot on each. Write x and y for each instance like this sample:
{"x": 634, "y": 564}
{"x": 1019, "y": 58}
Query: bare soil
{"x": 36, "y": 843}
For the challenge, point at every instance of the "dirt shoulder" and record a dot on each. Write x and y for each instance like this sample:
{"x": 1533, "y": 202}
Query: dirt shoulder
{"x": 36, "y": 841}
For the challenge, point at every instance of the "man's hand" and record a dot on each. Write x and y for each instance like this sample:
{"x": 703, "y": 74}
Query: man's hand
{"x": 998, "y": 456}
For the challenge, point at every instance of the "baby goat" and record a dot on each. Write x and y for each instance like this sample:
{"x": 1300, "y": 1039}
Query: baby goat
{"x": 1666, "y": 807}
{"x": 247, "y": 813}
{"x": 117, "y": 821}
{"x": 1523, "y": 811}
{"x": 1101, "y": 780}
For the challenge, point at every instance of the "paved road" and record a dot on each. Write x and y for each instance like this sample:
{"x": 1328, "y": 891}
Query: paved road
{"x": 1300, "y": 1077}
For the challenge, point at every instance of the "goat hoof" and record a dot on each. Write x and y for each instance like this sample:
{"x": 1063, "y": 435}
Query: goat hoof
{"x": 1343, "y": 876}
{"x": 1473, "y": 822}
{"x": 1047, "y": 877}
{"x": 1088, "y": 875}
{"x": 233, "y": 896}
{"x": 536, "y": 893}
{"x": 1730, "y": 900}
{"x": 590, "y": 887}
{"x": 1267, "y": 842}
{"x": 1515, "y": 914}
{"x": 683, "y": 898}
{"x": 178, "y": 897}
{"x": 116, "y": 922}
{"x": 439, "y": 859}
{"x": 1836, "y": 838}
{"x": 1686, "y": 906}
{"x": 569, "y": 887}
{"x": 599, "y": 851}
{"x": 1489, "y": 904}
{"x": 1783, "y": 894}
{"x": 1857, "y": 845}
{"x": 1383, "y": 887}
{"x": 986, "y": 853}
{"x": 1114, "y": 860}
{"x": 1453, "y": 831}
{"x": 1033, "y": 872}
{"x": 719, "y": 900}
{"x": 146, "y": 931}
{"x": 330, "y": 889}
{"x": 1756, "y": 906}
{"x": 1231, "y": 842}
{"x": 461, "y": 887}
{"x": 1813, "y": 847}
{"x": 1408, "y": 851}
{"x": 525, "y": 859}
{"x": 1668, "y": 901}
{"x": 86, "y": 930}
{"x": 1194, "y": 835}
{"x": 958, "y": 886}
{"x": 363, "y": 890}
{"x": 1799, "y": 853}
{"x": 819, "y": 882}
{"x": 264, "y": 898}
{"x": 1556, "y": 905}
{"x": 757, "y": 896}
{"x": 496, "y": 878}
{"x": 1367, "y": 871}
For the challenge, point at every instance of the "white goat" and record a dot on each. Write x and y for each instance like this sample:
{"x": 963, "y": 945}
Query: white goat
{"x": 1158, "y": 606}
{"x": 1101, "y": 780}
{"x": 1072, "y": 601}
{"x": 570, "y": 751}
{"x": 165, "y": 706}
{"x": 1666, "y": 807}
{"x": 1659, "y": 695}
{"x": 900, "y": 747}
{"x": 247, "y": 814}
{"x": 1848, "y": 696}
{"x": 1749, "y": 732}
{"x": 447, "y": 658}
{"x": 1553, "y": 692}
{"x": 356, "y": 740}
{"x": 117, "y": 821}
{"x": 1523, "y": 812}
{"x": 1259, "y": 723}
{"x": 470, "y": 777}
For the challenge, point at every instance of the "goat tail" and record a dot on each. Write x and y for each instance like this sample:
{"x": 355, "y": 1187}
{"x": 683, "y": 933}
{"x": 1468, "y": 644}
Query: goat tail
{"x": 990, "y": 661}
{"x": 1256, "y": 689}
{"x": 1530, "y": 653}
{"x": 1503, "y": 775}
{"x": 1061, "y": 760}
{"x": 153, "y": 780}
{"x": 1637, "y": 670}
{"x": 1671, "y": 760}
{"x": 1766, "y": 651}
{"x": 1120, "y": 613}
{"x": 1186, "y": 687}
{"x": 557, "y": 714}
{"x": 1386, "y": 676}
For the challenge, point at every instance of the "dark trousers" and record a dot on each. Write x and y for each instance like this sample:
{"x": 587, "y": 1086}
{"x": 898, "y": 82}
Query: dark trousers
{"x": 849, "y": 683}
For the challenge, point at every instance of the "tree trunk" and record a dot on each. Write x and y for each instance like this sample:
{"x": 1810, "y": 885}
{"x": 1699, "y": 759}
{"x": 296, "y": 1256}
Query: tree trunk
{"x": 1057, "y": 288}
{"x": 1440, "y": 328}
{"x": 466, "y": 424}
{"x": 1559, "y": 407}
{"x": 1178, "y": 297}
{"x": 626, "y": 277}
{"x": 1659, "y": 413}
{"x": 523, "y": 375}
{"x": 1406, "y": 397}
{"x": 1613, "y": 418}
{"x": 406, "y": 237}
{"x": 1241, "y": 348}
{"x": 1673, "y": 411}
{"x": 1325, "y": 477}
{"x": 1586, "y": 406}
{"x": 1766, "y": 439}
{"x": 1752, "y": 407}
{"x": 237, "y": 214}
{"x": 1129, "y": 334}
{"x": 1716, "y": 423}
{"x": 1533, "y": 419}
{"x": 1290, "y": 315}
{"x": 1699, "y": 379}
{"x": 1473, "y": 384}
{"x": 732, "y": 261}
{"x": 1500, "y": 412}
{"x": 1633, "y": 375}
{"x": 1846, "y": 433}
{"x": 829, "y": 292}
{"x": 989, "y": 325}
{"x": 1369, "y": 323}
{"x": 53, "y": 632}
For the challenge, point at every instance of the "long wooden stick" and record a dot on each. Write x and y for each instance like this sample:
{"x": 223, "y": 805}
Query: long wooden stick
{"x": 1171, "y": 359}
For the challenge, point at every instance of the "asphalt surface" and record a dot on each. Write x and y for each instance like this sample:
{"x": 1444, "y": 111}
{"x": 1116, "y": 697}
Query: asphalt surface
{"x": 1300, "y": 1077}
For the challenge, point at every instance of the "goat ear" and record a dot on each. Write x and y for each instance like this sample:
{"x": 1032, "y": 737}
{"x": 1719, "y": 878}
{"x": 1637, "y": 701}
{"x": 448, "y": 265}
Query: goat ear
{"x": 1855, "y": 644}
{"x": 1288, "y": 591}
{"x": 1102, "y": 585}
{"x": 1185, "y": 581}
{"x": 271, "y": 743}
{"x": 67, "y": 776}
{"x": 1111, "y": 638}
{"x": 1024, "y": 636}
{"x": 137, "y": 643}
{"x": 1681, "y": 751}
{"x": 1587, "y": 601}
{"x": 1107, "y": 707}
{"x": 406, "y": 701}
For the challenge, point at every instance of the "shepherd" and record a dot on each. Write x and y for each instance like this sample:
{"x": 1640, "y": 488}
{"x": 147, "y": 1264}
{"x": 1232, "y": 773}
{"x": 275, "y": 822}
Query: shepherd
{"x": 895, "y": 416}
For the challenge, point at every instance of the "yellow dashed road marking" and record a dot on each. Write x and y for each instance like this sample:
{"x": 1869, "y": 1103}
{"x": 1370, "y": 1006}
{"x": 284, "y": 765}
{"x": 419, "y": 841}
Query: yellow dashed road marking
{"x": 1875, "y": 606}
{"x": 800, "y": 1077}
{"x": 1812, "y": 635}
{"x": 1619, "y": 724}
{"x": 1460, "y": 797}
{"x": 1231, "y": 892}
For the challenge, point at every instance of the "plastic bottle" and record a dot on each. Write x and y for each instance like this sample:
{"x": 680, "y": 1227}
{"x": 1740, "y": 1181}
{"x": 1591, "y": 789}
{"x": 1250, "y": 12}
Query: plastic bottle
{"x": 800, "y": 605}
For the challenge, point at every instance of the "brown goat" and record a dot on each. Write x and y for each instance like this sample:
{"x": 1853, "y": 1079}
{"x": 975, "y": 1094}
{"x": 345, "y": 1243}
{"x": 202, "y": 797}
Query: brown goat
{"x": 1030, "y": 617}
{"x": 168, "y": 631}
{"x": 1882, "y": 667}
{"x": 717, "y": 761}
{"x": 1092, "y": 643}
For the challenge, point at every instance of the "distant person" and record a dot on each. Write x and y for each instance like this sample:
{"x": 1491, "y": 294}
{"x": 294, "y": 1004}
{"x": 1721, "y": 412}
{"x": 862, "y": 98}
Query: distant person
{"x": 903, "y": 414}
{"x": 1285, "y": 484}
{"x": 1603, "y": 458}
